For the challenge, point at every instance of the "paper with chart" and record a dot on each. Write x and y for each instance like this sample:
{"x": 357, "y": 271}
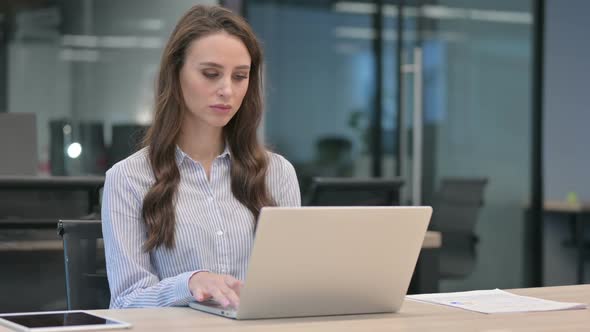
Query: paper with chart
{"x": 494, "y": 301}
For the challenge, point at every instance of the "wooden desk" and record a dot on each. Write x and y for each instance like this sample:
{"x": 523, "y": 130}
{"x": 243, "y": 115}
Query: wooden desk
{"x": 414, "y": 316}
{"x": 574, "y": 212}
{"x": 9, "y": 185}
{"x": 432, "y": 240}
{"x": 565, "y": 207}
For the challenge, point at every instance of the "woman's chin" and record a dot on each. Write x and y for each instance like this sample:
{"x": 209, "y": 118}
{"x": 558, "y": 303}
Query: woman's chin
{"x": 220, "y": 123}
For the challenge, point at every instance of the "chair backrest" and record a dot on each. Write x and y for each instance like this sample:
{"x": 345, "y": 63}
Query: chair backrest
{"x": 87, "y": 285}
{"x": 126, "y": 140}
{"x": 456, "y": 209}
{"x": 354, "y": 191}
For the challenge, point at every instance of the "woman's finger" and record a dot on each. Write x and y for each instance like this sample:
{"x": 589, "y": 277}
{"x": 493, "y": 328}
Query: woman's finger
{"x": 220, "y": 297}
{"x": 232, "y": 296}
{"x": 201, "y": 295}
{"x": 233, "y": 283}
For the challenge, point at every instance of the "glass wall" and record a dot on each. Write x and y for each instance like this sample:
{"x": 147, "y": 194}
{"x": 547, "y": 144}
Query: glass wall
{"x": 481, "y": 125}
{"x": 565, "y": 130}
{"x": 475, "y": 92}
{"x": 320, "y": 86}
{"x": 86, "y": 68}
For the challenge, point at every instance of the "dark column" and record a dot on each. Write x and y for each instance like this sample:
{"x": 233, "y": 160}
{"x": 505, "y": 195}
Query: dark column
{"x": 534, "y": 222}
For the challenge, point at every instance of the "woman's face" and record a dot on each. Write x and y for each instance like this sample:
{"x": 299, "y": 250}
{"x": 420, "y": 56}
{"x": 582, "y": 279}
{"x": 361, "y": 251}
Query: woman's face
{"x": 214, "y": 78}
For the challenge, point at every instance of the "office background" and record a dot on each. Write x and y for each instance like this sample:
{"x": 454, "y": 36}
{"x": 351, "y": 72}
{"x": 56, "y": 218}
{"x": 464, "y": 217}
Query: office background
{"x": 85, "y": 68}
{"x": 567, "y": 114}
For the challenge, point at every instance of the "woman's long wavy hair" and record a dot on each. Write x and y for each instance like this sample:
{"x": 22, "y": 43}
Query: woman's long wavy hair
{"x": 249, "y": 158}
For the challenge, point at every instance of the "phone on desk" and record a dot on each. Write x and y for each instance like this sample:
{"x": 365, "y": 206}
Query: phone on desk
{"x": 58, "y": 321}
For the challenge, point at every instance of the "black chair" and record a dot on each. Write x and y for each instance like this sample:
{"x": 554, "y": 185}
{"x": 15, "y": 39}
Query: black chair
{"x": 354, "y": 192}
{"x": 456, "y": 209}
{"x": 87, "y": 285}
{"x": 126, "y": 140}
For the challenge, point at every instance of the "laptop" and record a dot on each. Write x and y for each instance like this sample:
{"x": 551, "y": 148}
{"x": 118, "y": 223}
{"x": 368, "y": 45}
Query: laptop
{"x": 316, "y": 261}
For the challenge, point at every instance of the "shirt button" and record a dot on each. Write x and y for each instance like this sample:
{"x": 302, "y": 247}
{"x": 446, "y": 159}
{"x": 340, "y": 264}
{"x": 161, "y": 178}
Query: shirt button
{"x": 219, "y": 232}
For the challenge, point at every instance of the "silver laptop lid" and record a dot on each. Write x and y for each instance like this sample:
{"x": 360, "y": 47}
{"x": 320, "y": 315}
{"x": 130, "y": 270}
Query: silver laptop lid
{"x": 332, "y": 260}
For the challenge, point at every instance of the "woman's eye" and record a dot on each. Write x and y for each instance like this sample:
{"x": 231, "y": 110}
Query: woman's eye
{"x": 241, "y": 77}
{"x": 210, "y": 74}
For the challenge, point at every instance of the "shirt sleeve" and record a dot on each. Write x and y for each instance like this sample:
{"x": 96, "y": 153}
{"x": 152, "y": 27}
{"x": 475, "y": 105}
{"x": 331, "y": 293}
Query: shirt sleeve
{"x": 289, "y": 194}
{"x": 132, "y": 278}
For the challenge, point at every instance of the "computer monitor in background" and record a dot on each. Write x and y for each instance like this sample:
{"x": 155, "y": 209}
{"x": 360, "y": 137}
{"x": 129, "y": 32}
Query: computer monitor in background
{"x": 18, "y": 144}
{"x": 354, "y": 192}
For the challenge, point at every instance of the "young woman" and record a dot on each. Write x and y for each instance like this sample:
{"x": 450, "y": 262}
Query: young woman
{"x": 179, "y": 215}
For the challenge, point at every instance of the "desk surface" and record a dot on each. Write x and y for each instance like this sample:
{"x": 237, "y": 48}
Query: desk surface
{"x": 414, "y": 316}
{"x": 565, "y": 207}
{"x": 432, "y": 240}
{"x": 50, "y": 182}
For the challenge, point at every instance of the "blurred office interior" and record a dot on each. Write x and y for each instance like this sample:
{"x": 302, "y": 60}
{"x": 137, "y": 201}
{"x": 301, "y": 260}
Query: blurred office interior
{"x": 421, "y": 90}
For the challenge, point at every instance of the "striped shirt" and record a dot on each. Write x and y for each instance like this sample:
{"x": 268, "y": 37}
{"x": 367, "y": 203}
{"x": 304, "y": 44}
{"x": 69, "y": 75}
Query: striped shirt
{"x": 214, "y": 231}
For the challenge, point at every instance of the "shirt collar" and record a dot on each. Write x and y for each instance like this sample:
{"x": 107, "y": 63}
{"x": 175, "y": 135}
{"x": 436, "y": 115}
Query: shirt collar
{"x": 181, "y": 155}
{"x": 226, "y": 151}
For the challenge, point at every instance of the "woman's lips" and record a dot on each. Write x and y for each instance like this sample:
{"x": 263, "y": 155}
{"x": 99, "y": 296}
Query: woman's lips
{"x": 223, "y": 109}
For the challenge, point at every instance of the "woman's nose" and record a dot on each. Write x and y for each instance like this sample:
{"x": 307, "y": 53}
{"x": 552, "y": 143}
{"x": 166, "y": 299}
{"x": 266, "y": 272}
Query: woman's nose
{"x": 225, "y": 90}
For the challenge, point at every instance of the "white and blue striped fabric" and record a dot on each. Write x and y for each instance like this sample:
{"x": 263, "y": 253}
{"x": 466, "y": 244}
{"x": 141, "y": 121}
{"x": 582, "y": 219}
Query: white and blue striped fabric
{"x": 214, "y": 231}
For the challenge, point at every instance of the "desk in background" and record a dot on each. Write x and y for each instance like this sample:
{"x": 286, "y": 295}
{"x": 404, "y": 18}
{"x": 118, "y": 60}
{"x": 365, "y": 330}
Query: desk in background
{"x": 424, "y": 280}
{"x": 31, "y": 206}
{"x": 35, "y": 235}
{"x": 414, "y": 316}
{"x": 35, "y": 212}
{"x": 30, "y": 248}
{"x": 575, "y": 213}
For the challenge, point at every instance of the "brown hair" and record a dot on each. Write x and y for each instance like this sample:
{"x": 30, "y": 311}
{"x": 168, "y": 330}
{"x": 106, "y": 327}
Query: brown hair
{"x": 249, "y": 160}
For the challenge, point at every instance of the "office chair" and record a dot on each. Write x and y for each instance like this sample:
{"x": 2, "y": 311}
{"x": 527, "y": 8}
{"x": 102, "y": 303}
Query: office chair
{"x": 455, "y": 211}
{"x": 87, "y": 285}
{"x": 126, "y": 140}
{"x": 325, "y": 191}
{"x": 91, "y": 137}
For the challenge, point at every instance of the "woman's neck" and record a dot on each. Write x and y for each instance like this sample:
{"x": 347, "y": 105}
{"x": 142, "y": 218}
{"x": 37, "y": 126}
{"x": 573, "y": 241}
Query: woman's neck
{"x": 202, "y": 143}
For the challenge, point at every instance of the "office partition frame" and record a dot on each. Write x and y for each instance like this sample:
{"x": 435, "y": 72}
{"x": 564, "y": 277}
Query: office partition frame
{"x": 534, "y": 225}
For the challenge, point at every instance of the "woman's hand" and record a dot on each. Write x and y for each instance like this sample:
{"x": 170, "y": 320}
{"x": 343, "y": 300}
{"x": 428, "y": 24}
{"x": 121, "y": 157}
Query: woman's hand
{"x": 224, "y": 289}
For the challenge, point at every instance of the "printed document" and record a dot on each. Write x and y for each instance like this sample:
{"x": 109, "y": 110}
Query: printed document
{"x": 494, "y": 301}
